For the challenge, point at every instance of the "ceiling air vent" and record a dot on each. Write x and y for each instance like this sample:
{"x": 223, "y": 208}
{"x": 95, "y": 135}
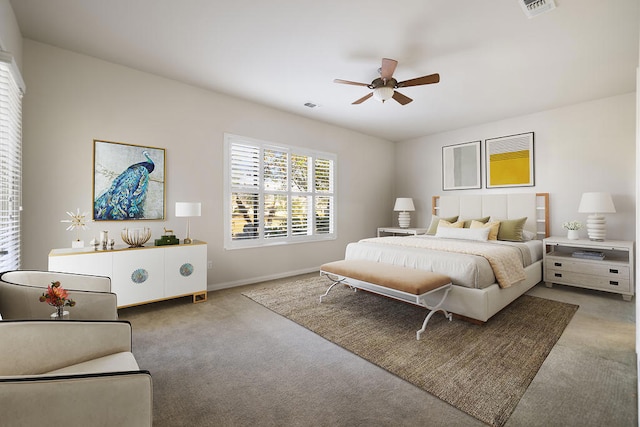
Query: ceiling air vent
{"x": 534, "y": 8}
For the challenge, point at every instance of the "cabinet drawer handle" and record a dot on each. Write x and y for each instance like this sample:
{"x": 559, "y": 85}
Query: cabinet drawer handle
{"x": 557, "y": 264}
{"x": 613, "y": 282}
{"x": 613, "y": 270}
{"x": 558, "y": 274}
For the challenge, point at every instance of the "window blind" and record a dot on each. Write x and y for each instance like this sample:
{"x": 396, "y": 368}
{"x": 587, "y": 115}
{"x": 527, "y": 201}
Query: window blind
{"x": 11, "y": 90}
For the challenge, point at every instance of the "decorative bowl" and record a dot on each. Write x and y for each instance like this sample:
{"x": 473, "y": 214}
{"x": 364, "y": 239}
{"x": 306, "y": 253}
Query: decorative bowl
{"x": 135, "y": 237}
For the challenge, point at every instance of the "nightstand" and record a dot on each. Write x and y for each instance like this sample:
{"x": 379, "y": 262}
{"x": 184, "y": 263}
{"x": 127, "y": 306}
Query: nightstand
{"x": 579, "y": 263}
{"x": 394, "y": 231}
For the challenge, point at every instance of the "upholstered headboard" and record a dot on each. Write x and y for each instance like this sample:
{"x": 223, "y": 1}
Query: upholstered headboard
{"x": 534, "y": 206}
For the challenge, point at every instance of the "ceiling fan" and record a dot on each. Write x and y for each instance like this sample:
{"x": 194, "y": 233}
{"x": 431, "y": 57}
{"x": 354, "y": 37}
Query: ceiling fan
{"x": 384, "y": 87}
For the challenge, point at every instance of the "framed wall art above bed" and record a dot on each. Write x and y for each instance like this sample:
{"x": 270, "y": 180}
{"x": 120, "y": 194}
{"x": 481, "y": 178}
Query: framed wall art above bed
{"x": 510, "y": 161}
{"x": 461, "y": 166}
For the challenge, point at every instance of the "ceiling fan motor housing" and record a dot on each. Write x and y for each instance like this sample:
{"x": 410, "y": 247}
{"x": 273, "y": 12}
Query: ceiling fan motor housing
{"x": 380, "y": 82}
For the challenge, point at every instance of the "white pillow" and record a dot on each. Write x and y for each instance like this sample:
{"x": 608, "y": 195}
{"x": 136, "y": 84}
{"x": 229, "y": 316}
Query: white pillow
{"x": 479, "y": 234}
{"x": 528, "y": 235}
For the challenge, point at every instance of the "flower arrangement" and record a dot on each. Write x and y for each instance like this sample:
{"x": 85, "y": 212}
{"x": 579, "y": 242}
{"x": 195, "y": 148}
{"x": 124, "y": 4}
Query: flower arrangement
{"x": 57, "y": 297}
{"x": 572, "y": 225}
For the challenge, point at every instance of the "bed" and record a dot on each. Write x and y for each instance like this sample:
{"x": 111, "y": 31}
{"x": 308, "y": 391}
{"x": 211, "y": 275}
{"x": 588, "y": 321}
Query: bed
{"x": 482, "y": 286}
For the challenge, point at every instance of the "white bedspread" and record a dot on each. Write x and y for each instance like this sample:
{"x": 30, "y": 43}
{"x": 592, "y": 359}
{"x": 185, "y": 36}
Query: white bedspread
{"x": 461, "y": 260}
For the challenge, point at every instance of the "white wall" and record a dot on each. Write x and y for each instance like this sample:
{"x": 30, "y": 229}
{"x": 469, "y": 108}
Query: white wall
{"x": 579, "y": 148}
{"x": 10, "y": 37}
{"x": 73, "y": 99}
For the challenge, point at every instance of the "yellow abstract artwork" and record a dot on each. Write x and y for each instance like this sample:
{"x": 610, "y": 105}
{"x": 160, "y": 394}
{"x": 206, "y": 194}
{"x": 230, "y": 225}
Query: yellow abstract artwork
{"x": 510, "y": 161}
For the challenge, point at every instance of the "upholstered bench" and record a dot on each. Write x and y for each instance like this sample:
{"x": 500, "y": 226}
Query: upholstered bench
{"x": 402, "y": 283}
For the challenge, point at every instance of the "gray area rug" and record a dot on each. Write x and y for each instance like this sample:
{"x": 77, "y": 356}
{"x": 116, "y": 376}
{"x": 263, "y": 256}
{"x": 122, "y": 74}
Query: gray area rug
{"x": 482, "y": 370}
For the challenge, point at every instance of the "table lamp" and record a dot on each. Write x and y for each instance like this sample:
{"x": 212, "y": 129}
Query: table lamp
{"x": 188, "y": 209}
{"x": 596, "y": 204}
{"x": 404, "y": 205}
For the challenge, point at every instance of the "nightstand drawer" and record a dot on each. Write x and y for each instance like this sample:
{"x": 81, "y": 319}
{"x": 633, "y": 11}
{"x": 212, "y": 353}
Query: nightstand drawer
{"x": 598, "y": 268}
{"x": 617, "y": 284}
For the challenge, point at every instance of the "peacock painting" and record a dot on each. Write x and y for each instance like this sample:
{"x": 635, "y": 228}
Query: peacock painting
{"x": 131, "y": 193}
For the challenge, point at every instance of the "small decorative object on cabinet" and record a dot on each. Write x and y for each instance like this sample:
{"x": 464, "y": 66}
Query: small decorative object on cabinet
{"x": 142, "y": 275}
{"x": 605, "y": 266}
{"x": 76, "y": 223}
{"x": 135, "y": 237}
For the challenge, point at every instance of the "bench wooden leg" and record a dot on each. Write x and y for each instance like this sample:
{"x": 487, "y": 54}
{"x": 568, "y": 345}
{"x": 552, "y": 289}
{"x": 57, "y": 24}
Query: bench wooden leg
{"x": 434, "y": 309}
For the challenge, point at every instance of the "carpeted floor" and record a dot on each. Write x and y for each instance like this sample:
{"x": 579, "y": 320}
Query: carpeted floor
{"x": 481, "y": 370}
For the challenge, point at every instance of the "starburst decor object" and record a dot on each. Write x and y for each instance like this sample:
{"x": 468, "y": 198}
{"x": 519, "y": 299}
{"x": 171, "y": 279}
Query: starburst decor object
{"x": 76, "y": 223}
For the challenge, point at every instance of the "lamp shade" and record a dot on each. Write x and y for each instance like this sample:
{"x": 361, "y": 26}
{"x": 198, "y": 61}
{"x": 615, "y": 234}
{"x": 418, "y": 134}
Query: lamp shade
{"x": 596, "y": 203}
{"x": 404, "y": 204}
{"x": 188, "y": 209}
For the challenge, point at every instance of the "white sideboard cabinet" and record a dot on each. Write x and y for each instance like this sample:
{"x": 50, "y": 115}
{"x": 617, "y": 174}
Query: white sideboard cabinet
{"x": 141, "y": 275}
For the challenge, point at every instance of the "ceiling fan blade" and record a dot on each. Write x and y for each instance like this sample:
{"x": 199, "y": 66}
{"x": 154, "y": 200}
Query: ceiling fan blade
{"x": 388, "y": 68}
{"x": 347, "y": 82}
{"x": 402, "y": 99}
{"x": 425, "y": 80}
{"x": 364, "y": 98}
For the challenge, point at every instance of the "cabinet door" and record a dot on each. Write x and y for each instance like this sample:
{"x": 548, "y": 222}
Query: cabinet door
{"x": 138, "y": 276}
{"x": 93, "y": 263}
{"x": 185, "y": 269}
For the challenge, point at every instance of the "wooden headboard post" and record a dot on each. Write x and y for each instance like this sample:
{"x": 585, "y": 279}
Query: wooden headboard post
{"x": 542, "y": 212}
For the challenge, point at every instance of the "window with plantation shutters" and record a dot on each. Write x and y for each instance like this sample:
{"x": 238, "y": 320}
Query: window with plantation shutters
{"x": 11, "y": 90}
{"x": 277, "y": 194}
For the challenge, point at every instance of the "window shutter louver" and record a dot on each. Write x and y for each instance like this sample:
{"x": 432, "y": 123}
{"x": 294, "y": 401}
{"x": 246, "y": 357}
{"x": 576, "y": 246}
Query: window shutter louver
{"x": 10, "y": 167}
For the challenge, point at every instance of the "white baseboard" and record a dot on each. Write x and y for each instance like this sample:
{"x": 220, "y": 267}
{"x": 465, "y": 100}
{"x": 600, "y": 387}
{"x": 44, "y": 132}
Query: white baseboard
{"x": 233, "y": 284}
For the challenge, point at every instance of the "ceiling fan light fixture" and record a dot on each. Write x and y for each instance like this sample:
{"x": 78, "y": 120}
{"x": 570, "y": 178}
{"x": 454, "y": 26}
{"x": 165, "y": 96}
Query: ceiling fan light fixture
{"x": 383, "y": 93}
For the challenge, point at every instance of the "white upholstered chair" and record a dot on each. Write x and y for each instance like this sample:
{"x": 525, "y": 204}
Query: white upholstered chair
{"x": 71, "y": 373}
{"x": 20, "y": 291}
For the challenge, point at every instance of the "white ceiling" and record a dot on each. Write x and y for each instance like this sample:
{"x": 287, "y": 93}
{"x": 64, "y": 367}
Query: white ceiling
{"x": 493, "y": 62}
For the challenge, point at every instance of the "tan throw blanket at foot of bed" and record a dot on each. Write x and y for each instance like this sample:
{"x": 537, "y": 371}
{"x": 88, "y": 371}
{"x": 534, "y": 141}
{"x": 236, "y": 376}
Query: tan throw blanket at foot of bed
{"x": 506, "y": 261}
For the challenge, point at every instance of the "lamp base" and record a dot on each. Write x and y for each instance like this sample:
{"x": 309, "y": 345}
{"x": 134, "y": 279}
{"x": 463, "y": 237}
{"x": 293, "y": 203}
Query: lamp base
{"x": 404, "y": 219}
{"x": 596, "y": 227}
{"x": 187, "y": 241}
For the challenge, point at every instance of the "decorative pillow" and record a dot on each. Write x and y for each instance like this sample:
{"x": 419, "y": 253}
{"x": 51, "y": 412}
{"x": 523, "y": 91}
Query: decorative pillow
{"x": 447, "y": 224}
{"x": 528, "y": 235}
{"x": 467, "y": 222}
{"x": 480, "y": 234}
{"x": 434, "y": 223}
{"x": 493, "y": 227}
{"x": 511, "y": 229}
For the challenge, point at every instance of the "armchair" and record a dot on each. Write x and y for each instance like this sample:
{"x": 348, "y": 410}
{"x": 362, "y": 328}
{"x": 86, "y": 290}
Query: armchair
{"x": 73, "y": 373}
{"x": 20, "y": 290}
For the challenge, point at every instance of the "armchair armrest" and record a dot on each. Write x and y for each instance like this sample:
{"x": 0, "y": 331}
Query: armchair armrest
{"x": 33, "y": 347}
{"x": 118, "y": 399}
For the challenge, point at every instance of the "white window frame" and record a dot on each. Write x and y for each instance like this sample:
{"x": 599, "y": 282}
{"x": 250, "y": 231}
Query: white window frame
{"x": 12, "y": 88}
{"x": 260, "y": 240}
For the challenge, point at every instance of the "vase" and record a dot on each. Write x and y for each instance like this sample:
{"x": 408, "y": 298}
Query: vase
{"x": 60, "y": 313}
{"x": 573, "y": 234}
